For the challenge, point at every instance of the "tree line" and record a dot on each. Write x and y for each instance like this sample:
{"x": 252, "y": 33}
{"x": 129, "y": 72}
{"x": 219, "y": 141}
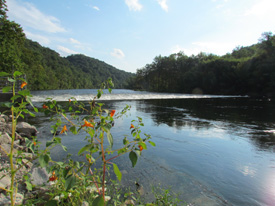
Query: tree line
{"x": 247, "y": 70}
{"x": 45, "y": 68}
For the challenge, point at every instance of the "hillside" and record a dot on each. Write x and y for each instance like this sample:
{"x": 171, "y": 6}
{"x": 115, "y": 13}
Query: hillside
{"x": 45, "y": 69}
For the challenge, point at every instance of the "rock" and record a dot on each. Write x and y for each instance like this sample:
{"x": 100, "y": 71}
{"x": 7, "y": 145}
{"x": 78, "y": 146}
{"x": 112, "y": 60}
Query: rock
{"x": 25, "y": 129}
{"x": 27, "y": 156}
{"x": 5, "y": 139}
{"x": 7, "y": 148}
{"x": 39, "y": 176}
{"x": 5, "y": 182}
{"x": 5, "y": 199}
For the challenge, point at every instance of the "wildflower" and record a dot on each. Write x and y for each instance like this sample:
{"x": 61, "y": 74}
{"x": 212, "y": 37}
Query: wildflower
{"x": 23, "y": 84}
{"x": 91, "y": 189}
{"x": 45, "y": 106}
{"x": 107, "y": 198}
{"x": 64, "y": 129}
{"x": 53, "y": 177}
{"x": 112, "y": 113}
{"x": 34, "y": 143}
{"x": 87, "y": 124}
{"x": 57, "y": 198}
{"x": 132, "y": 126}
{"x": 140, "y": 147}
{"x": 70, "y": 100}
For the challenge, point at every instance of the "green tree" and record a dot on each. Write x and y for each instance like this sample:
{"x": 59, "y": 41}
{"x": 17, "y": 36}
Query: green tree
{"x": 11, "y": 41}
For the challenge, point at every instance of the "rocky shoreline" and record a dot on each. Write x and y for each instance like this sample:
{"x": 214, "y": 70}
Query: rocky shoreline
{"x": 37, "y": 175}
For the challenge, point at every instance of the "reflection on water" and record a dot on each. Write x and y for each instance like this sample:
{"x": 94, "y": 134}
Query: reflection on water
{"x": 210, "y": 151}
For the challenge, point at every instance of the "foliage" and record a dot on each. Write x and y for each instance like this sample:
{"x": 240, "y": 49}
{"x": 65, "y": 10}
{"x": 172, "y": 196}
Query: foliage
{"x": 247, "y": 70}
{"x": 75, "y": 181}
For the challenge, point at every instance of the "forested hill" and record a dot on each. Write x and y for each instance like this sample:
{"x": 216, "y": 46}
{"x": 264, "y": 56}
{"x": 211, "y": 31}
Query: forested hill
{"x": 45, "y": 69}
{"x": 246, "y": 71}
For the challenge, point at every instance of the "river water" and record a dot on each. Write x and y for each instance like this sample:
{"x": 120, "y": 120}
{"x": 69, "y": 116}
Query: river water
{"x": 211, "y": 150}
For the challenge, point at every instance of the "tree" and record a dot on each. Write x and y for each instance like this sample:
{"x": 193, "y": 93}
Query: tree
{"x": 11, "y": 41}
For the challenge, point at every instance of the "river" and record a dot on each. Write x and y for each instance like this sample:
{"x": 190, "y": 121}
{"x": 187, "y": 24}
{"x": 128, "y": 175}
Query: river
{"x": 211, "y": 150}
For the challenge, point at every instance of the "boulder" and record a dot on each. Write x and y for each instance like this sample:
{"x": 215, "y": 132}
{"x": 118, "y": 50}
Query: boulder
{"x": 39, "y": 176}
{"x": 5, "y": 180}
{"x": 25, "y": 129}
{"x": 5, "y": 138}
{"x": 5, "y": 199}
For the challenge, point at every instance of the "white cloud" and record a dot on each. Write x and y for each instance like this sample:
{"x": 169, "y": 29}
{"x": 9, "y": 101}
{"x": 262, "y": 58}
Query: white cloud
{"x": 263, "y": 8}
{"x": 63, "y": 51}
{"x": 117, "y": 53}
{"x": 28, "y": 15}
{"x": 133, "y": 5}
{"x": 218, "y": 48}
{"x": 96, "y": 8}
{"x": 163, "y": 4}
{"x": 74, "y": 41}
{"x": 39, "y": 38}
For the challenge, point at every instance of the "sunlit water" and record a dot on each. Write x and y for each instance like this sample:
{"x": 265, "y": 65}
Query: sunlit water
{"x": 211, "y": 150}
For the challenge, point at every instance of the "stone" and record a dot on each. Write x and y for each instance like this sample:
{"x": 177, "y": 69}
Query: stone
{"x": 39, "y": 176}
{"x": 5, "y": 139}
{"x": 26, "y": 130}
{"x": 5, "y": 182}
{"x": 5, "y": 199}
{"x": 6, "y": 148}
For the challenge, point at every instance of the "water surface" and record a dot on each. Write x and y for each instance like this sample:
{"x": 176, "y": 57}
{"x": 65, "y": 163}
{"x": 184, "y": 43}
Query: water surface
{"x": 212, "y": 150}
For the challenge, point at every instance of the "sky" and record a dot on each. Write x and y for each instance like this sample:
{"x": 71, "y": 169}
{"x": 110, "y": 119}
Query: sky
{"x": 128, "y": 34}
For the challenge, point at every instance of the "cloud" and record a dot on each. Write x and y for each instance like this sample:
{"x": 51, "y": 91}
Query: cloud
{"x": 263, "y": 8}
{"x": 96, "y": 8}
{"x": 117, "y": 53}
{"x": 74, "y": 41}
{"x": 218, "y": 48}
{"x": 163, "y": 4}
{"x": 28, "y": 15}
{"x": 39, "y": 38}
{"x": 133, "y": 5}
{"x": 63, "y": 51}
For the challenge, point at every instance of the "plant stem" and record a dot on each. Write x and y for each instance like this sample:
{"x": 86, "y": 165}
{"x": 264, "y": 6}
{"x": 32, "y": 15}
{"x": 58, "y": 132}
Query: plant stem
{"x": 11, "y": 150}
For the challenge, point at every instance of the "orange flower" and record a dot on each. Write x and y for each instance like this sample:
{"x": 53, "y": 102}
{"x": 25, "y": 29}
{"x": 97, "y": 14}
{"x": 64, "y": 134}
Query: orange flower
{"x": 112, "y": 113}
{"x": 23, "y": 84}
{"x": 140, "y": 147}
{"x": 53, "y": 177}
{"x": 70, "y": 100}
{"x": 132, "y": 126}
{"x": 34, "y": 143}
{"x": 87, "y": 124}
{"x": 45, "y": 107}
{"x": 64, "y": 129}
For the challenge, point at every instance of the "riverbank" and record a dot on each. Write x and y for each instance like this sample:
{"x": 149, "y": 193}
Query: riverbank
{"x": 23, "y": 160}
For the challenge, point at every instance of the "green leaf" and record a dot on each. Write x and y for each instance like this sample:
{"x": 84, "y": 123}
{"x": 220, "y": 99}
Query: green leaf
{"x": 152, "y": 143}
{"x": 110, "y": 138}
{"x": 11, "y": 79}
{"x": 99, "y": 201}
{"x": 73, "y": 130}
{"x": 143, "y": 145}
{"x": 3, "y": 74}
{"x": 44, "y": 160}
{"x": 133, "y": 157}
{"x": 85, "y": 148}
{"x": 28, "y": 186}
{"x": 51, "y": 203}
{"x": 70, "y": 182}
{"x": 17, "y": 73}
{"x": 49, "y": 143}
{"x": 64, "y": 148}
{"x": 117, "y": 172}
{"x": 6, "y": 89}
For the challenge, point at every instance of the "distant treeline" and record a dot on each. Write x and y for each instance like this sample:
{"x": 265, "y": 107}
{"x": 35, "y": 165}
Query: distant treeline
{"x": 247, "y": 70}
{"x": 45, "y": 68}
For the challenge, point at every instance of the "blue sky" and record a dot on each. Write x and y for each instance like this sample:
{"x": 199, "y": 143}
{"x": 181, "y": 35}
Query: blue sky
{"x": 128, "y": 34}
